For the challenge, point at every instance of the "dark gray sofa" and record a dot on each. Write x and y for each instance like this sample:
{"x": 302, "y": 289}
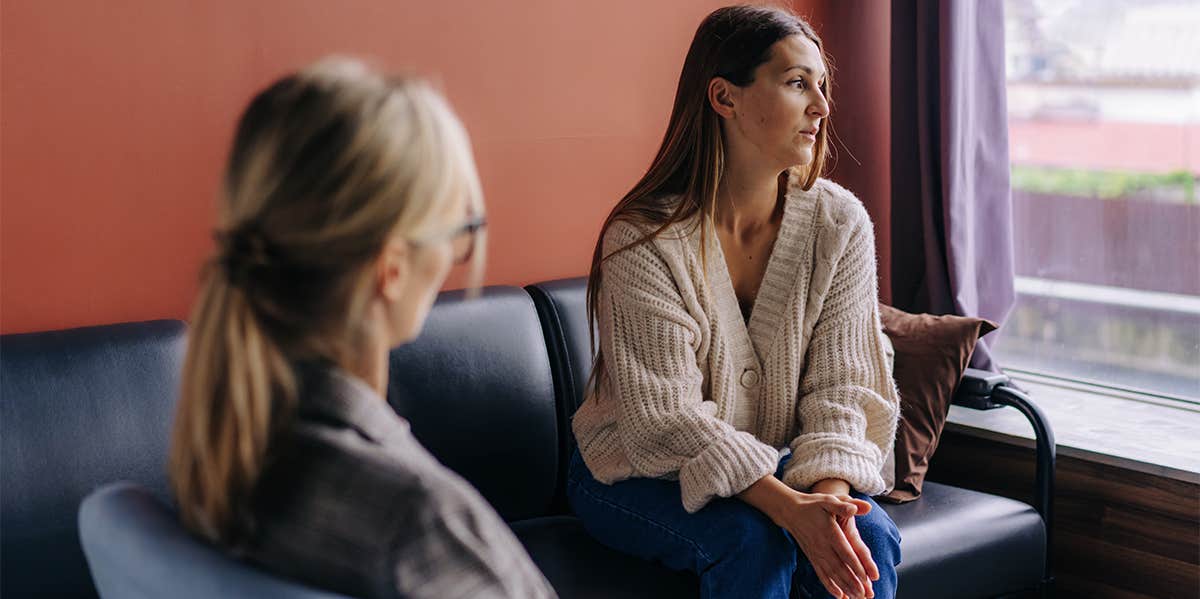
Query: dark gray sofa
{"x": 489, "y": 387}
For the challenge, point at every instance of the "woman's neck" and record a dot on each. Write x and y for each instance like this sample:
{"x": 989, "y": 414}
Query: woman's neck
{"x": 748, "y": 196}
{"x": 370, "y": 363}
{"x": 372, "y": 368}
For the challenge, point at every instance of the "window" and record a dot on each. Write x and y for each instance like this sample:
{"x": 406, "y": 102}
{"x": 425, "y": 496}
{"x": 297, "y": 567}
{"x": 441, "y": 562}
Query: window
{"x": 1104, "y": 139}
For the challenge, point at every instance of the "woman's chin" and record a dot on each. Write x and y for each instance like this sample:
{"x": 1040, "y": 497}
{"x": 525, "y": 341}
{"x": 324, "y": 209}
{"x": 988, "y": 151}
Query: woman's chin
{"x": 803, "y": 158}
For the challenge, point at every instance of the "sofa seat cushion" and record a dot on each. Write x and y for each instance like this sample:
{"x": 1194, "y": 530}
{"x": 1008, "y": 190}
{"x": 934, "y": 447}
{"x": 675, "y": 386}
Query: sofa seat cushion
{"x": 957, "y": 543}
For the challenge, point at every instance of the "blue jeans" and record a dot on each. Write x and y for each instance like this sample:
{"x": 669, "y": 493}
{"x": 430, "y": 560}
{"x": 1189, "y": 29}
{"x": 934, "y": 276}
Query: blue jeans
{"x": 735, "y": 549}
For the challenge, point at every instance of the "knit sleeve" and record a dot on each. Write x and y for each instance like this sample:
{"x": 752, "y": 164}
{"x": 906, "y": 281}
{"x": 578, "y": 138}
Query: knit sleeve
{"x": 849, "y": 405}
{"x": 650, "y": 343}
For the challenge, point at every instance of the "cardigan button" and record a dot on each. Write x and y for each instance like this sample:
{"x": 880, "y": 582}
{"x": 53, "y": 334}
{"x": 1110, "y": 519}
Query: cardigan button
{"x": 749, "y": 378}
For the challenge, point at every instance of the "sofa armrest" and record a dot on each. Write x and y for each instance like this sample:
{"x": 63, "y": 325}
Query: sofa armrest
{"x": 984, "y": 390}
{"x": 975, "y": 389}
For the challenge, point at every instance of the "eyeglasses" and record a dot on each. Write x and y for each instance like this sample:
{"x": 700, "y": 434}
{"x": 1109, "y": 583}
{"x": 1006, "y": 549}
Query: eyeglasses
{"x": 462, "y": 239}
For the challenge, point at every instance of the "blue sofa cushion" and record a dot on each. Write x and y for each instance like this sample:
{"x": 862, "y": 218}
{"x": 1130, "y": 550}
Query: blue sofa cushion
{"x": 138, "y": 550}
{"x": 80, "y": 408}
{"x": 477, "y": 389}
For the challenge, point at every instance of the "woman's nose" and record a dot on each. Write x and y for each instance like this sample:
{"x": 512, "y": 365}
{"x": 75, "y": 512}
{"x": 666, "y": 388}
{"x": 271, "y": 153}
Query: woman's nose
{"x": 820, "y": 108}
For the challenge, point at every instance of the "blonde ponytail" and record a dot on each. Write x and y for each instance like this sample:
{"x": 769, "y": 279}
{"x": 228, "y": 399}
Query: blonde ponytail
{"x": 248, "y": 390}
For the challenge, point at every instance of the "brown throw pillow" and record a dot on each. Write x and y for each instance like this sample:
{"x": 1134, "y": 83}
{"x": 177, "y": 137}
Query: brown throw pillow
{"x": 931, "y": 354}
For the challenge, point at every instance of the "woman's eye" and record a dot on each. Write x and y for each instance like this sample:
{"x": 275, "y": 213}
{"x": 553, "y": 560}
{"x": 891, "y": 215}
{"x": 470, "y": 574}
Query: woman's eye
{"x": 800, "y": 83}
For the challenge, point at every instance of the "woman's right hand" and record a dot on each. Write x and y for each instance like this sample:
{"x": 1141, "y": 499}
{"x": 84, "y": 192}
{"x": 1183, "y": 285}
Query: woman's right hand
{"x": 812, "y": 520}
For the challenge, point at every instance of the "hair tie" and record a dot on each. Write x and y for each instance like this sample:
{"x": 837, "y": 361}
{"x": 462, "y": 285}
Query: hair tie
{"x": 243, "y": 250}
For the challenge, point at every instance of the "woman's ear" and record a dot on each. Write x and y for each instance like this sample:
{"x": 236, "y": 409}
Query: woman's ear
{"x": 391, "y": 269}
{"x": 721, "y": 96}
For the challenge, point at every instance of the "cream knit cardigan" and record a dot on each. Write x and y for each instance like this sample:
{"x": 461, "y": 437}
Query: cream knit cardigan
{"x": 693, "y": 393}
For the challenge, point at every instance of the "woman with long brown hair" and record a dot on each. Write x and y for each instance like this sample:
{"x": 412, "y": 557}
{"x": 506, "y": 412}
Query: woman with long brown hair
{"x": 347, "y": 198}
{"x": 741, "y": 410}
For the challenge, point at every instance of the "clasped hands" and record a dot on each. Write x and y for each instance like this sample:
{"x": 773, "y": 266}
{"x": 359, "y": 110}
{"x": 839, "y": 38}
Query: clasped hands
{"x": 846, "y": 524}
{"x": 822, "y": 523}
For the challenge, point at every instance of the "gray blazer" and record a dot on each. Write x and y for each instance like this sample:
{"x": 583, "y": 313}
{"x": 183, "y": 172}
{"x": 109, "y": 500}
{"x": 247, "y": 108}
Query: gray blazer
{"x": 351, "y": 502}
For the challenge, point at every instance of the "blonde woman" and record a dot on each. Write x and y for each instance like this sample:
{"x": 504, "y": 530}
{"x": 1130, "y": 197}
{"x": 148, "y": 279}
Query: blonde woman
{"x": 347, "y": 198}
{"x": 742, "y": 410}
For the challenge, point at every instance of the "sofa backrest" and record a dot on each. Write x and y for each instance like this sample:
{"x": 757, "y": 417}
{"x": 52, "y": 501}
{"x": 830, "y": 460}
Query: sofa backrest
{"x": 562, "y": 306}
{"x": 85, "y": 407}
{"x": 79, "y": 408}
{"x": 476, "y": 386}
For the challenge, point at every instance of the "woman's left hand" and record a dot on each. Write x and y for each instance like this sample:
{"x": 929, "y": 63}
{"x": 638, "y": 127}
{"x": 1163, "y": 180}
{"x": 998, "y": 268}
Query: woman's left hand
{"x": 841, "y": 488}
{"x": 850, "y": 528}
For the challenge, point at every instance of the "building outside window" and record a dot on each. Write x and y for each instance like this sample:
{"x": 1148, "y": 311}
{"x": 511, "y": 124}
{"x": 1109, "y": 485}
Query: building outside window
{"x": 1104, "y": 128}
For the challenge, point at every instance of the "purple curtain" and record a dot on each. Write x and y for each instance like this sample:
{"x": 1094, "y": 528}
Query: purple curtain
{"x": 952, "y": 249}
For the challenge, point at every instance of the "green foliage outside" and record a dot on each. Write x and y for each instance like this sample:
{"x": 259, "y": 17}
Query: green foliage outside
{"x": 1176, "y": 186}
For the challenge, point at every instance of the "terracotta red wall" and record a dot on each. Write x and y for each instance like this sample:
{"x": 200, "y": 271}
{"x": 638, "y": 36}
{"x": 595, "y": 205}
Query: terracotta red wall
{"x": 115, "y": 119}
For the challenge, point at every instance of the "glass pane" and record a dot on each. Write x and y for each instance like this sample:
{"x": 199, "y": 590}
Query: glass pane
{"x": 1104, "y": 138}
